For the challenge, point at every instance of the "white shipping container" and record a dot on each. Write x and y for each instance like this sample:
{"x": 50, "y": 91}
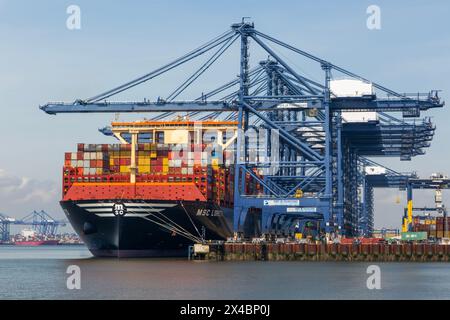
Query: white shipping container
{"x": 375, "y": 170}
{"x": 176, "y": 136}
{"x": 74, "y": 156}
{"x": 73, "y": 163}
{"x": 190, "y": 170}
{"x": 350, "y": 88}
{"x": 184, "y": 171}
{"x": 354, "y": 117}
{"x": 86, "y": 163}
{"x": 93, "y": 156}
{"x": 80, "y": 163}
{"x": 87, "y": 156}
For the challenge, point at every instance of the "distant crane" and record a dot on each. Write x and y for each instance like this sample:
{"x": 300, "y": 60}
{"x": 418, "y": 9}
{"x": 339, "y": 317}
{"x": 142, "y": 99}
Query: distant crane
{"x": 40, "y": 221}
{"x": 436, "y": 182}
{"x": 5, "y": 223}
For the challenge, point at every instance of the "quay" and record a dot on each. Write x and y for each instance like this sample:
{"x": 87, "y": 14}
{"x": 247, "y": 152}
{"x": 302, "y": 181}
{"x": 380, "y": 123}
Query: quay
{"x": 420, "y": 252}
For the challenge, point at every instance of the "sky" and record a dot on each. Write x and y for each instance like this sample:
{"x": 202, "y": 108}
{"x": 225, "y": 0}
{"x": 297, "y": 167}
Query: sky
{"x": 42, "y": 60}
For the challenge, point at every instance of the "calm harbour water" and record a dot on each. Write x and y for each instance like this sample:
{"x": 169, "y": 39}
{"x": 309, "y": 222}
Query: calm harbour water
{"x": 40, "y": 273}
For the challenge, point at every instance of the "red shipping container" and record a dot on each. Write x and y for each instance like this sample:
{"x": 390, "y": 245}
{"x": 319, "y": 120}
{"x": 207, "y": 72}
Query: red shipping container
{"x": 347, "y": 240}
{"x": 67, "y": 156}
{"x": 80, "y": 147}
{"x": 80, "y": 156}
{"x": 125, "y": 147}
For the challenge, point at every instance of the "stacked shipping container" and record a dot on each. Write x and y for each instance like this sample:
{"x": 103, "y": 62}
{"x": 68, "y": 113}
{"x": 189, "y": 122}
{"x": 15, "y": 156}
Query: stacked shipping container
{"x": 434, "y": 226}
{"x": 208, "y": 167}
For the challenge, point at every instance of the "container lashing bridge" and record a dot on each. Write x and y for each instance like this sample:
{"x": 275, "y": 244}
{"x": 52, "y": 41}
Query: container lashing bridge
{"x": 321, "y": 154}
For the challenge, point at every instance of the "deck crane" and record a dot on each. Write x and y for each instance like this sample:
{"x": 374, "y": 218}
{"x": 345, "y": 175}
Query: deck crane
{"x": 318, "y": 149}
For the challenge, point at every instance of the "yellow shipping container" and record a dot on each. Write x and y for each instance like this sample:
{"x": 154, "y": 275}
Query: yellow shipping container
{"x": 99, "y": 171}
{"x": 153, "y": 154}
{"x": 165, "y": 169}
{"x": 166, "y": 162}
{"x": 111, "y": 162}
{"x": 144, "y": 169}
{"x": 147, "y": 147}
{"x": 124, "y": 169}
{"x": 144, "y": 161}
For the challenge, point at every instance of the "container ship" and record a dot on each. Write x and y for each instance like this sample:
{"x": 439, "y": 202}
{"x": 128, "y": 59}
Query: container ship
{"x": 35, "y": 243}
{"x": 165, "y": 186}
{"x": 30, "y": 238}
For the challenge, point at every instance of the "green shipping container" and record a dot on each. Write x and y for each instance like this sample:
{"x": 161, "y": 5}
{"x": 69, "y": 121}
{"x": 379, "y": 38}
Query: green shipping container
{"x": 407, "y": 236}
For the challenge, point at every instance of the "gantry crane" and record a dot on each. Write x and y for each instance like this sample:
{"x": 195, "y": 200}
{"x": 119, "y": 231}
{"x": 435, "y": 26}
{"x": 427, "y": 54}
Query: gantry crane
{"x": 40, "y": 221}
{"x": 436, "y": 182}
{"x": 317, "y": 151}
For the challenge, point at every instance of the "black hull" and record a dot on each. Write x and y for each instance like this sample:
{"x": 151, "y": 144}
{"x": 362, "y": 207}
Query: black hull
{"x": 146, "y": 228}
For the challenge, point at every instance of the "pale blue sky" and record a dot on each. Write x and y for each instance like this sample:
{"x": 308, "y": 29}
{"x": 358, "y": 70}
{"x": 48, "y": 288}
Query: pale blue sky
{"x": 41, "y": 60}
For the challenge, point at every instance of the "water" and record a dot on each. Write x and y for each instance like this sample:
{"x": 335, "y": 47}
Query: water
{"x": 40, "y": 273}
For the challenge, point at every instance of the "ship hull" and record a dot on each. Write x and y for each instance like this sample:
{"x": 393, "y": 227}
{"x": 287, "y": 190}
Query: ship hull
{"x": 35, "y": 243}
{"x": 131, "y": 228}
{"x": 29, "y": 243}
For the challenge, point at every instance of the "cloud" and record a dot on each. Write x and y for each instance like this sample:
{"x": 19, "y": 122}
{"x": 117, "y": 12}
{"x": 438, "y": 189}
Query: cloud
{"x": 21, "y": 195}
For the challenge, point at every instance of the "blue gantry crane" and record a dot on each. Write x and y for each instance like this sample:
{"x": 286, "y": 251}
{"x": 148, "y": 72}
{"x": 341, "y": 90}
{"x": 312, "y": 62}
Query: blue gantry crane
{"x": 319, "y": 148}
{"x": 40, "y": 221}
{"x": 5, "y": 223}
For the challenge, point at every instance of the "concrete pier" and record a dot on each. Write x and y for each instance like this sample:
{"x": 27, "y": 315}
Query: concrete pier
{"x": 325, "y": 252}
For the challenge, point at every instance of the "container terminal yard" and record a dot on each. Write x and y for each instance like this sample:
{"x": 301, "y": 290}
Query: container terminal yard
{"x": 39, "y": 229}
{"x": 270, "y": 165}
